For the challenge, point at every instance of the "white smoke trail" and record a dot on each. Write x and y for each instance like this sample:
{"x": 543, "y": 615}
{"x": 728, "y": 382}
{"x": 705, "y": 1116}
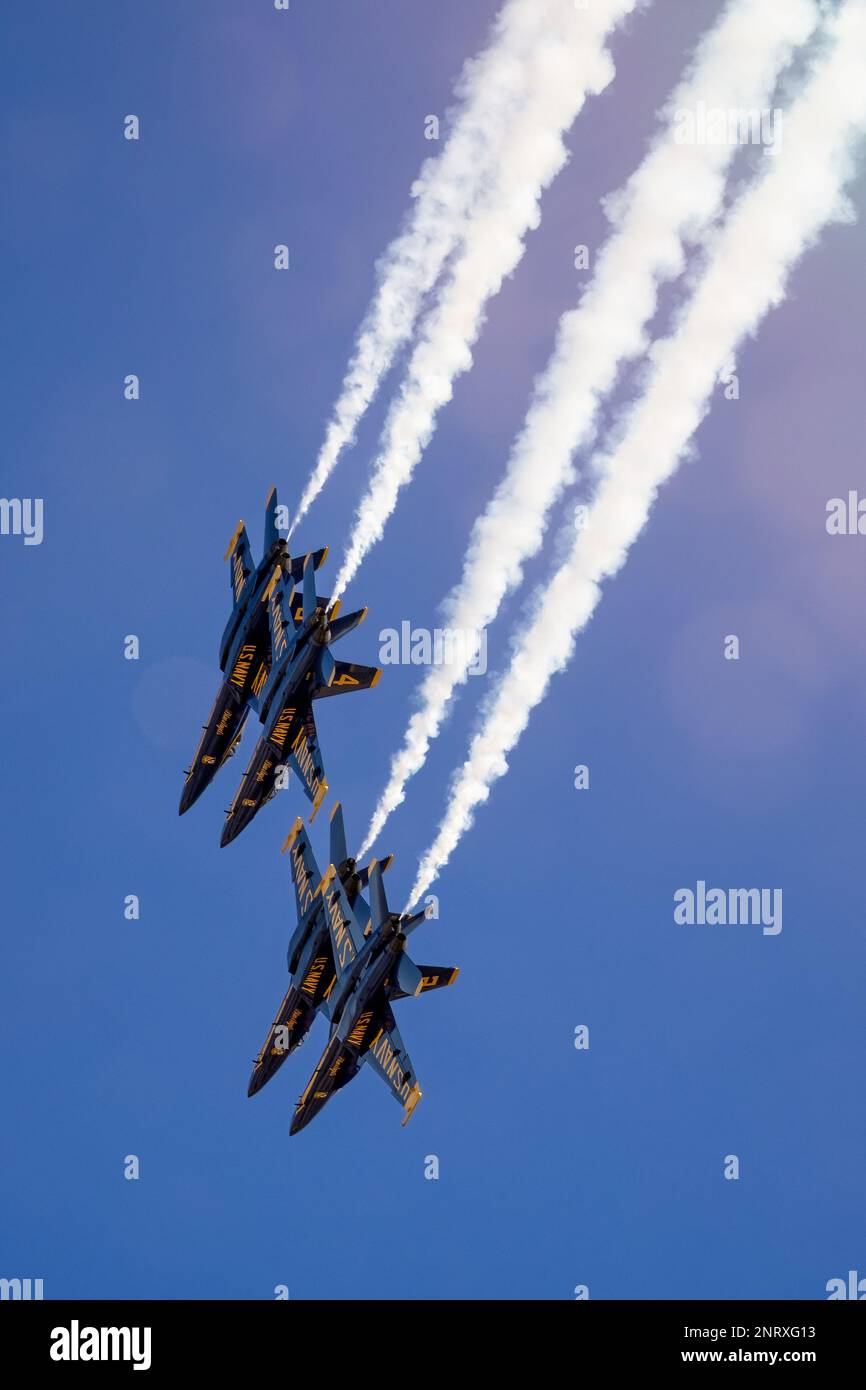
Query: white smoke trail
{"x": 490, "y": 93}
{"x": 571, "y": 62}
{"x": 675, "y": 193}
{"x": 751, "y": 257}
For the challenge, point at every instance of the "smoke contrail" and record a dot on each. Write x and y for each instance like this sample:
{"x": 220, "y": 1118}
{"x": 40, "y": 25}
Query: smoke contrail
{"x": 490, "y": 92}
{"x": 751, "y": 258}
{"x": 569, "y": 63}
{"x": 675, "y": 194}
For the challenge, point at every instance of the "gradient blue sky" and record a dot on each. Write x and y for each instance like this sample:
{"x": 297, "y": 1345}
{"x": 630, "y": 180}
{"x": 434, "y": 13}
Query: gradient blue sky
{"x": 558, "y": 1167}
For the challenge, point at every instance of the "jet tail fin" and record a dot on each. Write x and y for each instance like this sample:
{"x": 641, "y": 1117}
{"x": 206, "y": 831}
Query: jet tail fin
{"x": 272, "y": 535}
{"x": 339, "y": 848}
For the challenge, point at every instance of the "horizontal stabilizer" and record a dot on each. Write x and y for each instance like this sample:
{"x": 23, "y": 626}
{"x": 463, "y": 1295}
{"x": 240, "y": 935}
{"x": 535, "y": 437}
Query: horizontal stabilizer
{"x": 296, "y": 566}
{"x": 429, "y": 977}
{"x": 437, "y": 977}
{"x": 340, "y": 626}
{"x": 384, "y": 866}
{"x": 348, "y": 675}
{"x": 408, "y": 977}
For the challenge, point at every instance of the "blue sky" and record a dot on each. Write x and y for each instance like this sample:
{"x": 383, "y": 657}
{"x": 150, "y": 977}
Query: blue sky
{"x": 557, "y": 1167}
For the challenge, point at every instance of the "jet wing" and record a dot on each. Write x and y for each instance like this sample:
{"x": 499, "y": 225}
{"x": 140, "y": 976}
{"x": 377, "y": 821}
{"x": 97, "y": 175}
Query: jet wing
{"x": 347, "y": 932}
{"x": 305, "y": 871}
{"x": 241, "y": 557}
{"x": 305, "y": 756}
{"x": 388, "y": 1057}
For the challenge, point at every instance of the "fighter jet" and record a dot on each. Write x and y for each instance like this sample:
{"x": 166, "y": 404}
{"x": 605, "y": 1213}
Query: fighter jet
{"x": 245, "y": 651}
{"x": 310, "y": 957}
{"x": 372, "y": 970}
{"x": 302, "y": 670}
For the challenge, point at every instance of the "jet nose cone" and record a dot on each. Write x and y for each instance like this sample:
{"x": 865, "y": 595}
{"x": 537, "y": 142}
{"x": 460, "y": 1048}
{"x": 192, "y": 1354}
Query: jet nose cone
{"x": 298, "y": 1123}
{"x": 256, "y": 1082}
{"x": 187, "y": 797}
{"x": 230, "y": 830}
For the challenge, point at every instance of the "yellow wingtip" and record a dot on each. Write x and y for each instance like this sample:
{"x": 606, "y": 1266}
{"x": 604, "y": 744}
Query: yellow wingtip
{"x": 409, "y": 1107}
{"x": 271, "y": 584}
{"x": 292, "y": 835}
{"x": 317, "y": 800}
{"x": 234, "y": 540}
{"x": 326, "y": 881}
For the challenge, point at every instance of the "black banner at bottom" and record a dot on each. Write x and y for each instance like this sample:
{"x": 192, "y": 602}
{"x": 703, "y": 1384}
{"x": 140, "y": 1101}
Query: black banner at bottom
{"x": 71, "y": 1337}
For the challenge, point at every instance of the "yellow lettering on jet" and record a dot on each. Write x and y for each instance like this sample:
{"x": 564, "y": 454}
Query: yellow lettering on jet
{"x": 344, "y": 949}
{"x": 224, "y": 722}
{"x": 278, "y": 627}
{"x": 314, "y": 975}
{"x": 261, "y": 677}
{"x": 356, "y": 1037}
{"x": 242, "y": 666}
{"x": 280, "y": 731}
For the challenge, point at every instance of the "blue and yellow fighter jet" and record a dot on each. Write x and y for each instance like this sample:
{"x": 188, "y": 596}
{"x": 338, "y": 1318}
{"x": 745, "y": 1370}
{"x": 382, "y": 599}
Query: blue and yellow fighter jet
{"x": 302, "y": 670}
{"x": 371, "y": 970}
{"x": 310, "y": 957}
{"x": 245, "y": 652}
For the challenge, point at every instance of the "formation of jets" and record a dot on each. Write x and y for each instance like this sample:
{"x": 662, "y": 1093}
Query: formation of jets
{"x": 347, "y": 959}
{"x": 347, "y": 956}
